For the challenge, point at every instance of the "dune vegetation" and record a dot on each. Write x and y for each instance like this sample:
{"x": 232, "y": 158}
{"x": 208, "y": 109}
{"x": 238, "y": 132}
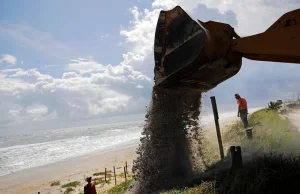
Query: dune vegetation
{"x": 271, "y": 160}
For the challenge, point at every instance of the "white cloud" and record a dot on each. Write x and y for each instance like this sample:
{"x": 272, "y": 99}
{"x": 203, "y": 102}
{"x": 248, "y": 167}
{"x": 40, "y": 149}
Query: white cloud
{"x": 140, "y": 35}
{"x": 49, "y": 66}
{"x": 9, "y": 59}
{"x": 104, "y": 36}
{"x": 140, "y": 86}
{"x": 107, "y": 73}
{"x": 37, "y": 112}
{"x": 84, "y": 66}
{"x": 68, "y": 75}
{"x": 32, "y": 76}
{"x": 37, "y": 109}
{"x": 87, "y": 90}
{"x": 75, "y": 97}
{"x": 13, "y": 87}
{"x": 252, "y": 17}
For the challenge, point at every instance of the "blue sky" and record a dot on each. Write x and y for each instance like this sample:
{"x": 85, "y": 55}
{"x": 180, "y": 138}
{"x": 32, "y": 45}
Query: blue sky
{"x": 67, "y": 61}
{"x": 81, "y": 28}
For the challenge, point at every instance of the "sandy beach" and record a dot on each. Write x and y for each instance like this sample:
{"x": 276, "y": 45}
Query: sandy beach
{"x": 39, "y": 179}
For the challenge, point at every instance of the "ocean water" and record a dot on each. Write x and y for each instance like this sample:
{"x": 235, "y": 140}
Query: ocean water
{"x": 38, "y": 148}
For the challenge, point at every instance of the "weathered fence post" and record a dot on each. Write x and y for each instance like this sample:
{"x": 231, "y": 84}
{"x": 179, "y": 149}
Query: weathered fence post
{"x": 216, "y": 117}
{"x": 126, "y": 167}
{"x": 249, "y": 133}
{"x": 250, "y": 137}
{"x": 125, "y": 173}
{"x": 115, "y": 176}
{"x": 105, "y": 175}
{"x": 236, "y": 158}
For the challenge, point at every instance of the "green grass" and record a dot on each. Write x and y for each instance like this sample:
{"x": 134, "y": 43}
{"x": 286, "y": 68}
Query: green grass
{"x": 276, "y": 159}
{"x": 272, "y": 134}
{"x": 68, "y": 190}
{"x": 98, "y": 181}
{"x": 122, "y": 175}
{"x": 54, "y": 183}
{"x": 98, "y": 173}
{"x": 204, "y": 188}
{"x": 108, "y": 173}
{"x": 108, "y": 181}
{"x": 271, "y": 173}
{"x": 121, "y": 188}
{"x": 71, "y": 184}
{"x": 81, "y": 192}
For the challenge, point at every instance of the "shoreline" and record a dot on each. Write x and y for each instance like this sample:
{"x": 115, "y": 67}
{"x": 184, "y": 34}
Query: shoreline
{"x": 75, "y": 158}
{"x": 78, "y": 157}
{"x": 38, "y": 179}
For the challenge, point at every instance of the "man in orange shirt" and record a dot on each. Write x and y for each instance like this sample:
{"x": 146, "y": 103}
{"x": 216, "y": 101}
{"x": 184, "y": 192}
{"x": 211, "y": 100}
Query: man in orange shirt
{"x": 242, "y": 109}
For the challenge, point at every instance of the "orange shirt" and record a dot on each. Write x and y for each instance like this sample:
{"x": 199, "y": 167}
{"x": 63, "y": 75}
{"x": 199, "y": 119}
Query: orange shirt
{"x": 242, "y": 103}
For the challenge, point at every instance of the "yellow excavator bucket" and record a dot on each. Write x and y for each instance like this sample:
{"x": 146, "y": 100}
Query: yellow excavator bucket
{"x": 195, "y": 55}
{"x": 186, "y": 54}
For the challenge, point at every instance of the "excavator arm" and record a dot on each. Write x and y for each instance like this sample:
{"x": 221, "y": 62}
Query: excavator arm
{"x": 279, "y": 43}
{"x": 195, "y": 55}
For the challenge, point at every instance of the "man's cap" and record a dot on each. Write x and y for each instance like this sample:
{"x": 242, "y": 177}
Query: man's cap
{"x": 88, "y": 179}
{"x": 236, "y": 95}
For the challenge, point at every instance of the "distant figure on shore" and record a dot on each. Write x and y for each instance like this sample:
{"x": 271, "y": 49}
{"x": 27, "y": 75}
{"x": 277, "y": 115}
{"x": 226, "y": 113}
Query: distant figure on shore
{"x": 242, "y": 109}
{"x": 90, "y": 187}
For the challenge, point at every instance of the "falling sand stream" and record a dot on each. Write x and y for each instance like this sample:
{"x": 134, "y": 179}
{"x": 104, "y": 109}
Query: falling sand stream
{"x": 169, "y": 153}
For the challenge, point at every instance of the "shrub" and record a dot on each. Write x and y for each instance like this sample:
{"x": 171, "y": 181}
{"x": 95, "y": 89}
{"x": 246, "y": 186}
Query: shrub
{"x": 55, "y": 183}
{"x": 71, "y": 184}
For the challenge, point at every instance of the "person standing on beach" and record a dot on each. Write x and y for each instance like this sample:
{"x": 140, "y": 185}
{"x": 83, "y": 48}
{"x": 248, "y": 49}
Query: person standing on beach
{"x": 242, "y": 109}
{"x": 90, "y": 187}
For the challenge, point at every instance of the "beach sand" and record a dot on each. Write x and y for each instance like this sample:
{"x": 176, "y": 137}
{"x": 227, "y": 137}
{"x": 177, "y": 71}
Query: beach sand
{"x": 294, "y": 117}
{"x": 39, "y": 179}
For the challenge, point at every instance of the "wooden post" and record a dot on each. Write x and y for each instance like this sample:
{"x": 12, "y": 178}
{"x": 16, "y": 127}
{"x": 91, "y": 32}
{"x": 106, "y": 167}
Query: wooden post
{"x": 232, "y": 152}
{"x": 249, "y": 133}
{"x": 216, "y": 117}
{"x": 105, "y": 175}
{"x": 126, "y": 167}
{"x": 239, "y": 158}
{"x": 125, "y": 173}
{"x": 236, "y": 158}
{"x": 115, "y": 176}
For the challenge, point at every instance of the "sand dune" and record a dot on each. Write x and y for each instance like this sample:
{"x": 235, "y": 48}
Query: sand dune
{"x": 294, "y": 117}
